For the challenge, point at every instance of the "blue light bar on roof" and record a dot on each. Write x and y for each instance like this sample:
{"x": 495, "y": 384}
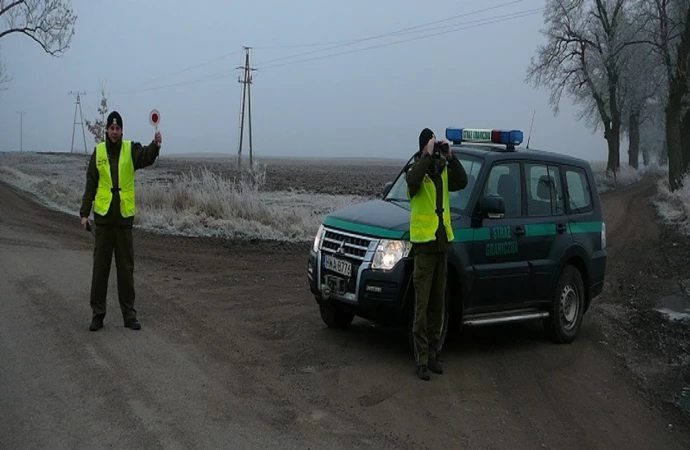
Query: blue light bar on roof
{"x": 487, "y": 136}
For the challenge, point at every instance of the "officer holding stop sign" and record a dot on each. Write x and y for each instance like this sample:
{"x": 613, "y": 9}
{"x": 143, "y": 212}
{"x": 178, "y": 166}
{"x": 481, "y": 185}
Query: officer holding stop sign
{"x": 110, "y": 190}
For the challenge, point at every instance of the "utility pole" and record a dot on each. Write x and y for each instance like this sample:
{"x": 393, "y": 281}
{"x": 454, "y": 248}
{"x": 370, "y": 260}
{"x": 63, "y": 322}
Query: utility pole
{"x": 246, "y": 81}
{"x": 21, "y": 130}
{"x": 77, "y": 105}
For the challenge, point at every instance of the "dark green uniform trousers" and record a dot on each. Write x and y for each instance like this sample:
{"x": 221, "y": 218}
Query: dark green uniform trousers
{"x": 117, "y": 239}
{"x": 430, "y": 272}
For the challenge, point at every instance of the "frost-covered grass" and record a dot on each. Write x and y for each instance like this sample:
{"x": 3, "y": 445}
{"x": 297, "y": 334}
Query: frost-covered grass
{"x": 206, "y": 202}
{"x": 627, "y": 175}
{"x": 674, "y": 207}
{"x": 201, "y": 202}
{"x": 197, "y": 202}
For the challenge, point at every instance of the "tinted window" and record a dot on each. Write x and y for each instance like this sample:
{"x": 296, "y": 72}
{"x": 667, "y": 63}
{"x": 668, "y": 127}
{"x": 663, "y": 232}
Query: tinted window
{"x": 505, "y": 179}
{"x": 544, "y": 193}
{"x": 458, "y": 199}
{"x": 579, "y": 194}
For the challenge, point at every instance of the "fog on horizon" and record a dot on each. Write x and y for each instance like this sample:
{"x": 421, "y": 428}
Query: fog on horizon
{"x": 344, "y": 101}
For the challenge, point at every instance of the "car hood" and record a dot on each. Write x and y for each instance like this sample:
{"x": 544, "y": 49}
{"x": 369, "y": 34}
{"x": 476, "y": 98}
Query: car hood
{"x": 377, "y": 218}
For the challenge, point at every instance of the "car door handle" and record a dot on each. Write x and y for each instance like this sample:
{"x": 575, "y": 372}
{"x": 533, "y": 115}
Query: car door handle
{"x": 561, "y": 228}
{"x": 519, "y": 230}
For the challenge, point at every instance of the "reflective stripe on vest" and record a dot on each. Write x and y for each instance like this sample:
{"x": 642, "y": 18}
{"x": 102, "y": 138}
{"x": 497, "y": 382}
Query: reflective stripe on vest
{"x": 125, "y": 170}
{"x": 423, "y": 217}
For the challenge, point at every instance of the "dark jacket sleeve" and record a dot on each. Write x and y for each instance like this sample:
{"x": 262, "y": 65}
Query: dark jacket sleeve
{"x": 457, "y": 176}
{"x": 90, "y": 189}
{"x": 415, "y": 174}
{"x": 144, "y": 156}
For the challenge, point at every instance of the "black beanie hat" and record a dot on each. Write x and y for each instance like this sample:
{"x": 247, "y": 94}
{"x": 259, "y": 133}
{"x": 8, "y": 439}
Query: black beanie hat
{"x": 114, "y": 118}
{"x": 424, "y": 137}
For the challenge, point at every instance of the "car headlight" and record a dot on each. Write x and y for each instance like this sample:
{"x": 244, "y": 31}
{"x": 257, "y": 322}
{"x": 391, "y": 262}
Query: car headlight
{"x": 389, "y": 252}
{"x": 317, "y": 239}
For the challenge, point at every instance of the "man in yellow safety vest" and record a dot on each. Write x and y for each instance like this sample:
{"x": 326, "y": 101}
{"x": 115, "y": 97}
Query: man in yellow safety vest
{"x": 431, "y": 177}
{"x": 110, "y": 189}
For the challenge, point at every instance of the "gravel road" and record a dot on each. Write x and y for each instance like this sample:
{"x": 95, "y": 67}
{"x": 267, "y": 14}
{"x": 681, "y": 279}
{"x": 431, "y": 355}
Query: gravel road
{"x": 233, "y": 354}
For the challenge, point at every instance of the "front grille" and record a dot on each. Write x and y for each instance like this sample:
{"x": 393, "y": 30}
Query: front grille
{"x": 347, "y": 245}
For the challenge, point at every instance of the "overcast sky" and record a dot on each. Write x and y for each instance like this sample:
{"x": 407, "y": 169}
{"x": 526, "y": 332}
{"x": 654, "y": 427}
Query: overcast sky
{"x": 366, "y": 103}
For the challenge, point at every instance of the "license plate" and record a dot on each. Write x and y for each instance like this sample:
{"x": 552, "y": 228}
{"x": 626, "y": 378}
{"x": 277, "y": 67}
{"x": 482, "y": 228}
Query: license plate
{"x": 337, "y": 265}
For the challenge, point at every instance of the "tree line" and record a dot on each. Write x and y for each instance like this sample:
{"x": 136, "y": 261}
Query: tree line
{"x": 626, "y": 64}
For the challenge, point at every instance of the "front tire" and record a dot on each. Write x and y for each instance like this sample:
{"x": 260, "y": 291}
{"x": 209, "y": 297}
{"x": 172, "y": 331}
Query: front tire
{"x": 334, "y": 317}
{"x": 567, "y": 307}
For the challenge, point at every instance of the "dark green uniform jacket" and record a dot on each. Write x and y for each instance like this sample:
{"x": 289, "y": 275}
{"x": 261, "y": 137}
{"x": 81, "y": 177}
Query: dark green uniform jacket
{"x": 141, "y": 156}
{"x": 457, "y": 179}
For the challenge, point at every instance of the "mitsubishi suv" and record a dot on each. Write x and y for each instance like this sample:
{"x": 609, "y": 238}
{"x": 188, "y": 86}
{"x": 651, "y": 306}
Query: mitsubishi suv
{"x": 529, "y": 244}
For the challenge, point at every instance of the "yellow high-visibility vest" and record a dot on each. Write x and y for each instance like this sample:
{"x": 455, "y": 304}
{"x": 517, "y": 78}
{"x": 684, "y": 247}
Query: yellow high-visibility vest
{"x": 104, "y": 193}
{"x": 423, "y": 216}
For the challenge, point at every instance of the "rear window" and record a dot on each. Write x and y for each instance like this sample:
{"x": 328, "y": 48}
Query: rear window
{"x": 545, "y": 195}
{"x": 579, "y": 192}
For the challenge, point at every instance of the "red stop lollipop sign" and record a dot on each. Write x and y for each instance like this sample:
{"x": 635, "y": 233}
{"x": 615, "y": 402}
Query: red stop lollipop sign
{"x": 155, "y": 118}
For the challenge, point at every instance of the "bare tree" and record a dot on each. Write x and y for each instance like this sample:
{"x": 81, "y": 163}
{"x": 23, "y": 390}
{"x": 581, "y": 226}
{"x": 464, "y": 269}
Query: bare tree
{"x": 652, "y": 132}
{"x": 4, "y": 77}
{"x": 97, "y": 127}
{"x": 583, "y": 57}
{"x": 50, "y": 23}
{"x": 641, "y": 82}
{"x": 669, "y": 29}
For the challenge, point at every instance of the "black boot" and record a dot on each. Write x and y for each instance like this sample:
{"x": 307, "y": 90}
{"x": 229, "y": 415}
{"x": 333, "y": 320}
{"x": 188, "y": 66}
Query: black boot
{"x": 133, "y": 324}
{"x": 96, "y": 323}
{"x": 423, "y": 372}
{"x": 435, "y": 366}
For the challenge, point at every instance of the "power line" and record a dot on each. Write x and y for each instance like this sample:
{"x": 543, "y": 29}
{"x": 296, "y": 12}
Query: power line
{"x": 180, "y": 83}
{"x": 196, "y": 66}
{"x": 456, "y": 28}
{"x": 337, "y": 44}
{"x": 331, "y": 45}
{"x": 395, "y": 33}
{"x": 498, "y": 19}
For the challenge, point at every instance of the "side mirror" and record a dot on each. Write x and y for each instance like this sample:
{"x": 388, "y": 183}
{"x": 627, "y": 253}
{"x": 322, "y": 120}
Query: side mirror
{"x": 386, "y": 188}
{"x": 493, "y": 206}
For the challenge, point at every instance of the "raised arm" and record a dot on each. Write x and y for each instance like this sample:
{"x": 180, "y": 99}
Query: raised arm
{"x": 415, "y": 174}
{"x": 144, "y": 156}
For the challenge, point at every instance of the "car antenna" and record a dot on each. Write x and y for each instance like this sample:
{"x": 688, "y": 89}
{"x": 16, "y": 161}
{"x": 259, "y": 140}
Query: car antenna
{"x": 530, "y": 128}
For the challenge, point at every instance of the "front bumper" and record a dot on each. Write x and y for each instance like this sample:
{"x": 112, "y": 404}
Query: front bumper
{"x": 373, "y": 294}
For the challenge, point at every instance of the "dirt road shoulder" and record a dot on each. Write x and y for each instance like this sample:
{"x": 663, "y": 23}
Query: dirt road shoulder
{"x": 649, "y": 266}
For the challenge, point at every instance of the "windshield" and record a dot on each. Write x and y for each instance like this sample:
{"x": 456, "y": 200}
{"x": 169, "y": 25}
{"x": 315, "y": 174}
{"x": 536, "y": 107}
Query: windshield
{"x": 458, "y": 199}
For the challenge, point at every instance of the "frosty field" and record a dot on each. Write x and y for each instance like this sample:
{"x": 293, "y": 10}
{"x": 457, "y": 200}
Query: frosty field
{"x": 281, "y": 199}
{"x": 284, "y": 200}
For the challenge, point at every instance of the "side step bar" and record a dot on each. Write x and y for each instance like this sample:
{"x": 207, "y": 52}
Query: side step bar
{"x": 504, "y": 317}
